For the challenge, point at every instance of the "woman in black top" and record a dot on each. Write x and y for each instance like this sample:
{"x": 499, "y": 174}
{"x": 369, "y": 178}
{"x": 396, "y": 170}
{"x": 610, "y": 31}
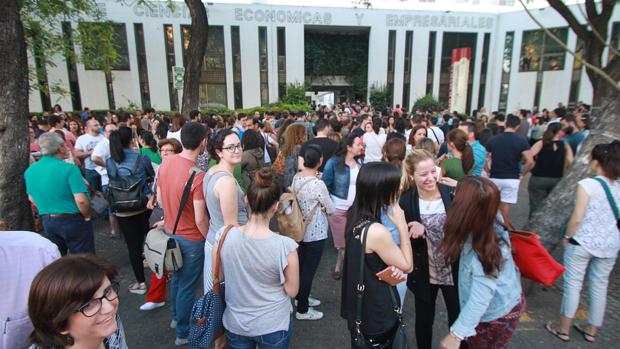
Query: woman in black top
{"x": 425, "y": 202}
{"x": 377, "y": 186}
{"x": 552, "y": 156}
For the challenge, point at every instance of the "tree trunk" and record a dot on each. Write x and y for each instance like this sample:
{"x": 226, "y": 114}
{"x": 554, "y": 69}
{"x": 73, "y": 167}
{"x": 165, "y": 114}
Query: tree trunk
{"x": 551, "y": 219}
{"x": 14, "y": 142}
{"x": 195, "y": 54}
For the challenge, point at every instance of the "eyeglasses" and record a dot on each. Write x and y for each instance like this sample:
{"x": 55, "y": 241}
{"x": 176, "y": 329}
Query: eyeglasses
{"x": 233, "y": 148}
{"x": 94, "y": 305}
{"x": 166, "y": 150}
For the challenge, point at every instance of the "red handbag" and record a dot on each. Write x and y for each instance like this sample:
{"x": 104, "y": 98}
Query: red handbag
{"x": 532, "y": 259}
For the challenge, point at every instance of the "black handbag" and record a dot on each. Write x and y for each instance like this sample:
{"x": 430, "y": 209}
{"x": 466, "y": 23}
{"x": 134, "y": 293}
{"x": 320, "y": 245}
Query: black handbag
{"x": 398, "y": 340}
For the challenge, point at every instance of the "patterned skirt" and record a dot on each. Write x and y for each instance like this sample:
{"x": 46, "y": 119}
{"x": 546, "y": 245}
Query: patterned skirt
{"x": 497, "y": 334}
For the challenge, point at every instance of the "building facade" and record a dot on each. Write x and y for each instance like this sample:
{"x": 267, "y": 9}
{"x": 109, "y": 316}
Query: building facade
{"x": 256, "y": 50}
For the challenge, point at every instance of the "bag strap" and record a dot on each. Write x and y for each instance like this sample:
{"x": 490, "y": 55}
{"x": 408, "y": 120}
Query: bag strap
{"x": 184, "y": 199}
{"x": 610, "y": 197}
{"x": 218, "y": 261}
{"x": 360, "y": 283}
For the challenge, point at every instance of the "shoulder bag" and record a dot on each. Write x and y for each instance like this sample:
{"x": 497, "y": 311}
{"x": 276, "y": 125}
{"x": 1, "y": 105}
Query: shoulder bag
{"x": 162, "y": 252}
{"x": 207, "y": 313}
{"x": 126, "y": 193}
{"x": 291, "y": 221}
{"x": 611, "y": 200}
{"x": 399, "y": 337}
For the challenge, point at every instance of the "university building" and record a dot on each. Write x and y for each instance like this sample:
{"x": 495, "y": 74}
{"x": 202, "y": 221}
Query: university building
{"x": 467, "y": 53}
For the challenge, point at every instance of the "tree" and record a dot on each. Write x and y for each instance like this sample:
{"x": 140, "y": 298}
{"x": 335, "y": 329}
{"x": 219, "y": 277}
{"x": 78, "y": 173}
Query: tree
{"x": 198, "y": 38}
{"x": 551, "y": 218}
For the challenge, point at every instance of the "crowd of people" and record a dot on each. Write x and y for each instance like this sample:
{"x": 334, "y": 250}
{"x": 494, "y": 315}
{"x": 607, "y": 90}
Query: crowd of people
{"x": 421, "y": 196}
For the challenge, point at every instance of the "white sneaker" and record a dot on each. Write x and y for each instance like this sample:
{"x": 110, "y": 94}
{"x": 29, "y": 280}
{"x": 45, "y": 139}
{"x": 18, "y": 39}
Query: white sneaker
{"x": 310, "y": 315}
{"x": 151, "y": 305}
{"x": 173, "y": 324}
{"x": 181, "y": 341}
{"x": 312, "y": 302}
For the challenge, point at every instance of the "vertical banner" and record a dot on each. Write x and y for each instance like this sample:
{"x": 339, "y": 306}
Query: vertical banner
{"x": 459, "y": 78}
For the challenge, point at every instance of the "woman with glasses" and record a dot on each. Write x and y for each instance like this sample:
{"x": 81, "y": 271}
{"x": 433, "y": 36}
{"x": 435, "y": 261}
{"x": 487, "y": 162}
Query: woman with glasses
{"x": 223, "y": 194}
{"x": 73, "y": 303}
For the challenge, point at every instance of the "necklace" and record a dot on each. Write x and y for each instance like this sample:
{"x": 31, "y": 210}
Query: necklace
{"x": 429, "y": 201}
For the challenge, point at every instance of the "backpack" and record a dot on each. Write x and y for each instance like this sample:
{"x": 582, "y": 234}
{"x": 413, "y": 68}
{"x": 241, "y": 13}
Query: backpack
{"x": 291, "y": 220}
{"x": 126, "y": 193}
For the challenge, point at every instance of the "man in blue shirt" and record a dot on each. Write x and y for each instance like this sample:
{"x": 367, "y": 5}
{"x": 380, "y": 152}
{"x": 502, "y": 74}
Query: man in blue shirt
{"x": 480, "y": 153}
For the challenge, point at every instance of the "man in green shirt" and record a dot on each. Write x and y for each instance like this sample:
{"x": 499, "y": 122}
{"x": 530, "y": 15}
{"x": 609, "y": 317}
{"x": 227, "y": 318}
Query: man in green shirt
{"x": 59, "y": 192}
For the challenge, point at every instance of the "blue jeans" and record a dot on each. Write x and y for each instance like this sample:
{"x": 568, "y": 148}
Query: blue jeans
{"x": 184, "y": 281}
{"x": 94, "y": 179}
{"x": 274, "y": 340}
{"x": 72, "y": 235}
{"x": 577, "y": 261}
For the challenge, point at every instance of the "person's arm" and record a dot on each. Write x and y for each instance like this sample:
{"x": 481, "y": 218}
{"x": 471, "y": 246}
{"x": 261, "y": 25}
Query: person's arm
{"x": 568, "y": 156}
{"x": 81, "y": 200}
{"x": 201, "y": 217}
{"x": 291, "y": 274}
{"x": 328, "y": 175}
{"x": 324, "y": 199}
{"x": 226, "y": 191}
{"x": 536, "y": 148}
{"x": 529, "y": 161}
{"x": 80, "y": 154}
{"x": 576, "y": 218}
{"x": 380, "y": 241}
{"x": 97, "y": 160}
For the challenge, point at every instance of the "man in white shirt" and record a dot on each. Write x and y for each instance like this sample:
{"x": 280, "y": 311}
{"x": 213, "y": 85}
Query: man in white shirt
{"x": 84, "y": 146}
{"x": 99, "y": 156}
{"x": 434, "y": 132}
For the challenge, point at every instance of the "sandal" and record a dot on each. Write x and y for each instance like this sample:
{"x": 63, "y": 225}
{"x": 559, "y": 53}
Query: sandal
{"x": 561, "y": 336}
{"x": 137, "y": 288}
{"x": 586, "y": 336}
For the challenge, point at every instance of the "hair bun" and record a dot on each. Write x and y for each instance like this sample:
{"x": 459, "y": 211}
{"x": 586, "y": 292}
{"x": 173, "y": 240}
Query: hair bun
{"x": 263, "y": 178}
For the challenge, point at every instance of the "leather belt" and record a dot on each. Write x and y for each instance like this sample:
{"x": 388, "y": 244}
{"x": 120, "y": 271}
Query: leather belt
{"x": 63, "y": 215}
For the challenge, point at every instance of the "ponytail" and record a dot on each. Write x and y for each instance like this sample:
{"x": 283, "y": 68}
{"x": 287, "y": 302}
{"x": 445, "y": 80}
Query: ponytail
{"x": 468, "y": 158}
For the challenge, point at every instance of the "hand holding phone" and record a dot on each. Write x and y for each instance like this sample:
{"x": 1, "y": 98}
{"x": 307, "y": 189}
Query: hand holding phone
{"x": 391, "y": 275}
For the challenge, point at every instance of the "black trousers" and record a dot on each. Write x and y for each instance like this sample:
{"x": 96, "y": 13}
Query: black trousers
{"x": 134, "y": 229}
{"x": 309, "y": 258}
{"x": 425, "y": 313}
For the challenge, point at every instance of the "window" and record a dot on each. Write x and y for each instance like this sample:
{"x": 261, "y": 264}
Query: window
{"x": 93, "y": 51}
{"x": 390, "y": 66}
{"x": 506, "y": 64}
{"x": 539, "y": 52}
{"x": 430, "y": 65}
{"x": 483, "y": 69}
{"x": 170, "y": 63}
{"x": 263, "y": 65}
{"x": 236, "y": 65}
{"x": 453, "y": 41}
{"x": 143, "y": 75}
{"x": 575, "y": 82}
{"x": 408, "y": 61}
{"x": 74, "y": 85}
{"x": 281, "y": 61}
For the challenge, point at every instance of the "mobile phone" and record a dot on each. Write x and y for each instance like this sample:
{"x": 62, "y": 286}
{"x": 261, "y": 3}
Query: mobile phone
{"x": 385, "y": 275}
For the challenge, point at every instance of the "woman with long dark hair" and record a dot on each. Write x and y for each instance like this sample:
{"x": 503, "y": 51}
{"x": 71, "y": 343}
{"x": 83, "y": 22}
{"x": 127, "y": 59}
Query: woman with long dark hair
{"x": 552, "y": 157}
{"x": 133, "y": 225}
{"x": 148, "y": 146}
{"x": 462, "y": 159}
{"x": 340, "y": 174}
{"x": 378, "y": 186}
{"x": 489, "y": 282}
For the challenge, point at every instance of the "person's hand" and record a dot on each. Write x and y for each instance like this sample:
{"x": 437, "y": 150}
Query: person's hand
{"x": 398, "y": 211}
{"x": 449, "y": 342}
{"x": 151, "y": 203}
{"x": 448, "y": 181}
{"x": 397, "y": 273}
{"x": 565, "y": 242}
{"x": 416, "y": 229}
{"x": 159, "y": 224}
{"x": 319, "y": 175}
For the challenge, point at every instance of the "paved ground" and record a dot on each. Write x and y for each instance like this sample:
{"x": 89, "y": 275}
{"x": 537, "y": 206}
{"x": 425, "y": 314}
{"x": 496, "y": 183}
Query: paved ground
{"x": 151, "y": 329}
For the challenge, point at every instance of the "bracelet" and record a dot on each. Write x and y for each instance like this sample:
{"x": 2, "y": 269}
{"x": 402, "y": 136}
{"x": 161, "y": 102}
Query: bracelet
{"x": 456, "y": 336}
{"x": 567, "y": 237}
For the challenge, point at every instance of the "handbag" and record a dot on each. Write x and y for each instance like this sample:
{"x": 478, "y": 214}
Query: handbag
{"x": 398, "y": 339}
{"x": 162, "y": 252}
{"x": 157, "y": 215}
{"x": 611, "y": 200}
{"x": 98, "y": 204}
{"x": 531, "y": 257}
{"x": 207, "y": 313}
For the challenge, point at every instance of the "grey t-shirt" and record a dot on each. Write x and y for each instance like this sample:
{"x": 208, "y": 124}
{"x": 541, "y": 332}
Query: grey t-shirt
{"x": 256, "y": 303}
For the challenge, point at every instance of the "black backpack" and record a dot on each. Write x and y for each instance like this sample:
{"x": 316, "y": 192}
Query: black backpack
{"x": 126, "y": 193}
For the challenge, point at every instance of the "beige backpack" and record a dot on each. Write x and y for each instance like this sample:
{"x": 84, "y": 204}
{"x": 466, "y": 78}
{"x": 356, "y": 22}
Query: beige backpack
{"x": 291, "y": 221}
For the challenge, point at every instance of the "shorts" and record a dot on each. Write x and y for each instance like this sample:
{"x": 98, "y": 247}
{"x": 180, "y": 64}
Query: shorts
{"x": 508, "y": 188}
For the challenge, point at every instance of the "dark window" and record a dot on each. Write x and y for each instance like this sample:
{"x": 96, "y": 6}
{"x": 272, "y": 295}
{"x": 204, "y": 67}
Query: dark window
{"x": 539, "y": 52}
{"x": 74, "y": 85}
{"x": 170, "y": 63}
{"x": 391, "y": 62}
{"x": 92, "y": 50}
{"x": 408, "y": 62}
{"x": 143, "y": 75}
{"x": 430, "y": 66}
{"x": 483, "y": 69}
{"x": 575, "y": 81}
{"x": 453, "y": 41}
{"x": 263, "y": 65}
{"x": 236, "y": 65}
{"x": 41, "y": 72}
{"x": 506, "y": 64}
{"x": 281, "y": 61}
{"x": 614, "y": 39}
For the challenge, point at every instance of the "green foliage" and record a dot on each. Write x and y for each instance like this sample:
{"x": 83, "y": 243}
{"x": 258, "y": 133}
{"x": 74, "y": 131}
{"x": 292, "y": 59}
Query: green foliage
{"x": 295, "y": 94}
{"x": 427, "y": 104}
{"x": 380, "y": 98}
{"x": 333, "y": 55}
{"x": 274, "y": 108}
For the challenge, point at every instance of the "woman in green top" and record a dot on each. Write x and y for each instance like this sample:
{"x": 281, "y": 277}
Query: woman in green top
{"x": 462, "y": 160}
{"x": 148, "y": 147}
